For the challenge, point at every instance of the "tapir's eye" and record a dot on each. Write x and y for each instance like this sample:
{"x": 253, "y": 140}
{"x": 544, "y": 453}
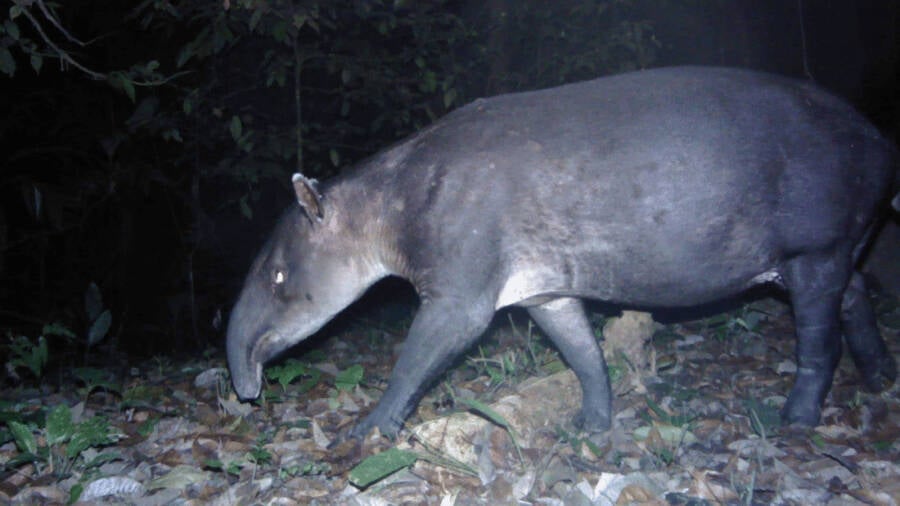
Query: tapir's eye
{"x": 278, "y": 277}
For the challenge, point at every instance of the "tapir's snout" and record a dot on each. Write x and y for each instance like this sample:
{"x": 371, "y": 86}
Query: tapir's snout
{"x": 246, "y": 373}
{"x": 242, "y": 347}
{"x": 247, "y": 379}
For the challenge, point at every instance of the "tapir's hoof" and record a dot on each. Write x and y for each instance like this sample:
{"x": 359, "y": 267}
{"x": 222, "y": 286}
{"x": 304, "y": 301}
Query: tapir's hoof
{"x": 796, "y": 414}
{"x": 883, "y": 376}
{"x": 364, "y": 428}
{"x": 592, "y": 423}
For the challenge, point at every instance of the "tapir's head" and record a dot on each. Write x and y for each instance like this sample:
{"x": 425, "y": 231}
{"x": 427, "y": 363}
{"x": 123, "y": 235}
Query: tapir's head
{"x": 309, "y": 270}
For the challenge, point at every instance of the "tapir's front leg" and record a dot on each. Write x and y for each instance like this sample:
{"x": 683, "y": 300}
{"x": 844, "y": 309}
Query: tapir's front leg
{"x": 442, "y": 329}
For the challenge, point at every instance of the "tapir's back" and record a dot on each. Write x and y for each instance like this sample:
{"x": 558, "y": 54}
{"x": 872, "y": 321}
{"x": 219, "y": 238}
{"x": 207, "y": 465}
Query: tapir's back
{"x": 663, "y": 167}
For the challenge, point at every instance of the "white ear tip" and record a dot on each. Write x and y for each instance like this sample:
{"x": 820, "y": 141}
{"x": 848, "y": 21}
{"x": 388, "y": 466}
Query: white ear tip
{"x": 296, "y": 177}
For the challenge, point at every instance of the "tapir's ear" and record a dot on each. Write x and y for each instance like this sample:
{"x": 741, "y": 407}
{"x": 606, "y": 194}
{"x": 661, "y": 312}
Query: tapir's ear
{"x": 308, "y": 197}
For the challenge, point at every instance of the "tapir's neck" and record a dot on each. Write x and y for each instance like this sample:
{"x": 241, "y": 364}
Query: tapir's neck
{"x": 359, "y": 218}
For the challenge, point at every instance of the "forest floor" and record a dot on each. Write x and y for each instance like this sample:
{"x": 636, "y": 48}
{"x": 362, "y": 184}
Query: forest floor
{"x": 696, "y": 422}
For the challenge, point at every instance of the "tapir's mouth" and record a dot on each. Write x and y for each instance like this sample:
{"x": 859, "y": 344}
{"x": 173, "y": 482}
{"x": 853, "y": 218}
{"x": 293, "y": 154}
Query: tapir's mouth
{"x": 249, "y": 386}
{"x": 246, "y": 374}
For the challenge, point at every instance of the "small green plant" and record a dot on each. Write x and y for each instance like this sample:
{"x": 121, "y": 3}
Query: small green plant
{"x": 764, "y": 418}
{"x": 293, "y": 369}
{"x": 94, "y": 379}
{"x": 662, "y": 441}
{"x": 233, "y": 468}
{"x": 663, "y": 454}
{"x": 576, "y": 442}
{"x": 503, "y": 369}
{"x": 60, "y": 445}
{"x": 744, "y": 320}
{"x": 349, "y": 378}
{"x": 307, "y": 469}
{"x": 29, "y": 354}
{"x": 666, "y": 417}
{"x": 259, "y": 455}
{"x": 34, "y": 354}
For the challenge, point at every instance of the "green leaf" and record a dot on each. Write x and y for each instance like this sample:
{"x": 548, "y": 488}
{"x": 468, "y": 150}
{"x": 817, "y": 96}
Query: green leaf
{"x": 93, "y": 301}
{"x": 378, "y": 466}
{"x": 75, "y": 493}
{"x": 94, "y": 378}
{"x": 12, "y": 29}
{"x": 174, "y": 134}
{"x": 122, "y": 82}
{"x": 184, "y": 55}
{"x": 7, "y": 63}
{"x": 236, "y": 127}
{"x": 59, "y": 425}
{"x": 23, "y": 436}
{"x": 146, "y": 428}
{"x": 179, "y": 478}
{"x": 128, "y": 87}
{"x": 291, "y": 370}
{"x": 15, "y": 11}
{"x": 676, "y": 420}
{"x": 669, "y": 433}
{"x": 255, "y": 17}
{"x": 349, "y": 377}
{"x": 279, "y": 32}
{"x": 429, "y": 82}
{"x": 214, "y": 464}
{"x": 57, "y": 329}
{"x": 334, "y": 157}
{"x": 449, "y": 97}
{"x": 103, "y": 458}
{"x": 486, "y": 410}
{"x": 99, "y": 328}
{"x": 764, "y": 418}
{"x": 152, "y": 65}
{"x": 28, "y": 354}
{"x": 246, "y": 211}
{"x": 90, "y": 433}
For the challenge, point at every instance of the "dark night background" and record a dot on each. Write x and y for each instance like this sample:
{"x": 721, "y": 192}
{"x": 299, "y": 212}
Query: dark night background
{"x": 156, "y": 169}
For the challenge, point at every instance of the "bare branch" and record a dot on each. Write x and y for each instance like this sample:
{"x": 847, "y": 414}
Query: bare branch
{"x": 67, "y": 58}
{"x": 56, "y": 23}
{"x": 64, "y": 56}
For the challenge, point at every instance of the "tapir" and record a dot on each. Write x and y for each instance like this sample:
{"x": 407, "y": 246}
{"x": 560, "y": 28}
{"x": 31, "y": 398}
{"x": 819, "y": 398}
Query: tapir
{"x": 668, "y": 188}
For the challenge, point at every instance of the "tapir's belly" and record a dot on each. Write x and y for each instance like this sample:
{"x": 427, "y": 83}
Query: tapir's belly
{"x": 654, "y": 278}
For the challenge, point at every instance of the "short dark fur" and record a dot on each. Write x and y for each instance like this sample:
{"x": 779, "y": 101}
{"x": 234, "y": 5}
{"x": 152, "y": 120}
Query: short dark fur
{"x": 667, "y": 187}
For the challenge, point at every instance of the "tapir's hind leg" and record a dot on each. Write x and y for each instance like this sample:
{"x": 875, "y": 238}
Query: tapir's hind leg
{"x": 876, "y": 365}
{"x": 565, "y": 322}
{"x": 816, "y": 285}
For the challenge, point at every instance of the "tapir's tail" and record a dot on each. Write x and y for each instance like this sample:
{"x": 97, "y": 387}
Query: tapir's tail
{"x": 896, "y": 201}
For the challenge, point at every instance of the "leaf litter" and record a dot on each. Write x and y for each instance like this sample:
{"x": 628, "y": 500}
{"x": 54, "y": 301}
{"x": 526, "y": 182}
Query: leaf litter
{"x": 695, "y": 422}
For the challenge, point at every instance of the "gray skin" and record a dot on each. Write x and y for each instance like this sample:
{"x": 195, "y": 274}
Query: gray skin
{"x": 661, "y": 188}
